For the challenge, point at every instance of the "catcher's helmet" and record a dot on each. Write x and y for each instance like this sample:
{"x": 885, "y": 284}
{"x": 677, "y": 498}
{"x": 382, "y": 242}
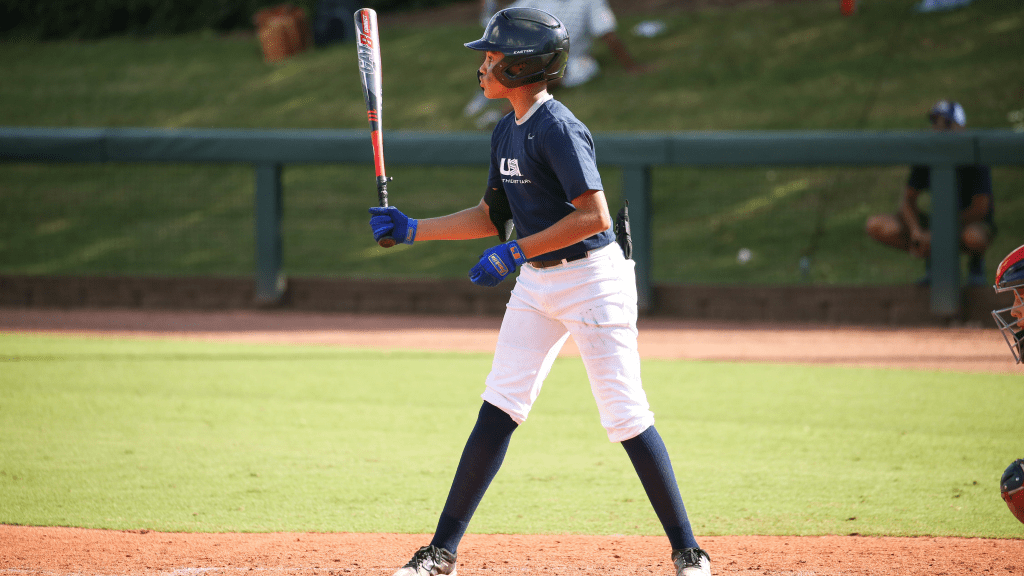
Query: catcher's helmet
{"x": 1010, "y": 276}
{"x": 1011, "y": 487}
{"x": 535, "y": 45}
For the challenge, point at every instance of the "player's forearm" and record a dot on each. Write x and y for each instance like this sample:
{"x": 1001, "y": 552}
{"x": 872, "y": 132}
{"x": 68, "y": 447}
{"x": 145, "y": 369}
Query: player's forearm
{"x": 468, "y": 224}
{"x": 575, "y": 227}
{"x": 619, "y": 50}
{"x": 910, "y": 218}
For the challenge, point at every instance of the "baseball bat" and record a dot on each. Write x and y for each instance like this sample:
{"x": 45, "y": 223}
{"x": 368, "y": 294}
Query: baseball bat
{"x": 368, "y": 50}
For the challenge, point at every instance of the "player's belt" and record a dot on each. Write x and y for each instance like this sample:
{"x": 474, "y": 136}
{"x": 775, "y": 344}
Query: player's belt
{"x": 550, "y": 263}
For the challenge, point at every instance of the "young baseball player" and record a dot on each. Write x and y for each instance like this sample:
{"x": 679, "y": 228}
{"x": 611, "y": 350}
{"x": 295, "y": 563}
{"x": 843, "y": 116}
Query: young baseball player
{"x": 574, "y": 280}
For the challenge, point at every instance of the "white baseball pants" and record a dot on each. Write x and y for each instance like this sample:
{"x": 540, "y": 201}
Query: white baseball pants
{"x": 594, "y": 300}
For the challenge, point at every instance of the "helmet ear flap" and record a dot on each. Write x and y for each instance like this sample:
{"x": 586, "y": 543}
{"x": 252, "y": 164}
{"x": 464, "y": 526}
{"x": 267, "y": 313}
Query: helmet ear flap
{"x": 522, "y": 70}
{"x": 526, "y": 68}
{"x": 529, "y": 69}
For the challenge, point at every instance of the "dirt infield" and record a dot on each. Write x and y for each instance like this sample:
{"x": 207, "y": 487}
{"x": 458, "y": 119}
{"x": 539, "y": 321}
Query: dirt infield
{"x": 953, "y": 349}
{"x": 65, "y": 551}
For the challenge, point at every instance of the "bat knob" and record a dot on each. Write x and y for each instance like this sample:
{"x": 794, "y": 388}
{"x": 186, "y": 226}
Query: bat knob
{"x": 386, "y": 242}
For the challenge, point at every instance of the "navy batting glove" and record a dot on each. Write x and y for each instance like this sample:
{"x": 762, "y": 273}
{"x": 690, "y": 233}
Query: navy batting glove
{"x": 390, "y": 220}
{"x": 496, "y": 263}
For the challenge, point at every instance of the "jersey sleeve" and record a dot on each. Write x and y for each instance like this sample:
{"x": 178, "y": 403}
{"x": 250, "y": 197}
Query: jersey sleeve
{"x": 920, "y": 178}
{"x": 570, "y": 153}
{"x": 980, "y": 181}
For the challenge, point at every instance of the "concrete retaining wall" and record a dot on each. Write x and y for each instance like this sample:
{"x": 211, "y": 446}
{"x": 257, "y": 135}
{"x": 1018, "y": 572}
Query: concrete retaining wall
{"x": 840, "y": 305}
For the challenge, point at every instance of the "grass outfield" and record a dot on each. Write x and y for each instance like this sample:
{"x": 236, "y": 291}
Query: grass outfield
{"x": 755, "y": 66}
{"x": 185, "y": 436}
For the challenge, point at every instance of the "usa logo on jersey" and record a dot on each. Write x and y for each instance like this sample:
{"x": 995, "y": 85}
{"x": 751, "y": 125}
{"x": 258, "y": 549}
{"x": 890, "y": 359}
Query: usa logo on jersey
{"x": 510, "y": 167}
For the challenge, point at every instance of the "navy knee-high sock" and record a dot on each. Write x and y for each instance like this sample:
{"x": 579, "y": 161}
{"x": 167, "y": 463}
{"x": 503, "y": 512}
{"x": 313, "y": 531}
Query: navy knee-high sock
{"x": 650, "y": 459}
{"x": 481, "y": 459}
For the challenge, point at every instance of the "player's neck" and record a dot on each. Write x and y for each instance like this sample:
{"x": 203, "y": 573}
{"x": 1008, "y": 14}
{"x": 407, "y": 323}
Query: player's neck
{"x": 523, "y": 98}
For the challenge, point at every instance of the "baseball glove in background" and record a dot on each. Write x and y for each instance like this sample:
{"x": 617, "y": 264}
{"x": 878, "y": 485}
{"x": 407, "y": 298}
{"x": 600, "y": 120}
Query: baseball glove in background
{"x": 623, "y": 235}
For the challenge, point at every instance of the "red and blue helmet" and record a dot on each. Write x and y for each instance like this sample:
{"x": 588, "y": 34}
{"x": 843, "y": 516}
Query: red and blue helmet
{"x": 1011, "y": 488}
{"x": 1010, "y": 321}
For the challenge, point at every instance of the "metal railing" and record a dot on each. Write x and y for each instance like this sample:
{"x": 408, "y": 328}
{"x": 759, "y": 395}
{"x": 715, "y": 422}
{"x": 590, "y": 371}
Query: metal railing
{"x": 634, "y": 153}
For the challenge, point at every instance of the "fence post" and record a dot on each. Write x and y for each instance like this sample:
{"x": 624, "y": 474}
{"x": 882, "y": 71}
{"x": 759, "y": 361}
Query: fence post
{"x": 269, "y": 281}
{"x": 945, "y": 231}
{"x": 636, "y": 188}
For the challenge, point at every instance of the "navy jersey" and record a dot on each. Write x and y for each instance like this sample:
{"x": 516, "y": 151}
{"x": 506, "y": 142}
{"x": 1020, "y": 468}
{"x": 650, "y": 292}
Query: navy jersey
{"x": 970, "y": 181}
{"x": 543, "y": 164}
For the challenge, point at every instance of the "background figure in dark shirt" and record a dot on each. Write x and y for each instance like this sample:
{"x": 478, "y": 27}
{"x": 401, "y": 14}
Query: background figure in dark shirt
{"x": 908, "y": 228}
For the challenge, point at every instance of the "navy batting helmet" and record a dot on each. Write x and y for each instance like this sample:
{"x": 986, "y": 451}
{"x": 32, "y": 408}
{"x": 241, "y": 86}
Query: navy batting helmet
{"x": 1011, "y": 487}
{"x": 535, "y": 45}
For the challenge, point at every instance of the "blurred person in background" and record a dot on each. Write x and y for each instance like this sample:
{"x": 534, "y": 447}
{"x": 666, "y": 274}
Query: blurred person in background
{"x": 908, "y": 228}
{"x": 586, "y": 20}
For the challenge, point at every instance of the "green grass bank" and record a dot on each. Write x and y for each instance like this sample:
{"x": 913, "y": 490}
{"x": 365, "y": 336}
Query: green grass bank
{"x": 789, "y": 66}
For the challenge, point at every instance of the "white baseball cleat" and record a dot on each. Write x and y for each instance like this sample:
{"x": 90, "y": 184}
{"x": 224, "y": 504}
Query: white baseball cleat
{"x": 691, "y": 562}
{"x": 429, "y": 561}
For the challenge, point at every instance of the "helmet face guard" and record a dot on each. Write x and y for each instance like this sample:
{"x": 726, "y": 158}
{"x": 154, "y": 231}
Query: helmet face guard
{"x": 1010, "y": 321}
{"x": 535, "y": 45}
{"x": 1008, "y": 325}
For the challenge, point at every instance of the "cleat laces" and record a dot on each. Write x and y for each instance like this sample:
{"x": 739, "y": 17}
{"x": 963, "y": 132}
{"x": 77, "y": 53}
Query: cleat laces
{"x": 430, "y": 557}
{"x": 688, "y": 558}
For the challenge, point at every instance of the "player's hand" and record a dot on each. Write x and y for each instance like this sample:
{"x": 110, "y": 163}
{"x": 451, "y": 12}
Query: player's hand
{"x": 497, "y": 263}
{"x": 920, "y": 243}
{"x": 391, "y": 222}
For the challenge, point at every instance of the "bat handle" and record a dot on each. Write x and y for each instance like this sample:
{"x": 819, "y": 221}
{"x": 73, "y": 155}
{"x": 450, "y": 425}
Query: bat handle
{"x": 382, "y": 198}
